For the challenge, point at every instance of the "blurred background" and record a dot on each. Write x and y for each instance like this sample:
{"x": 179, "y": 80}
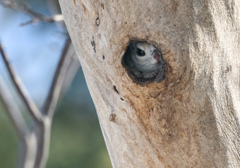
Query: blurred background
{"x": 34, "y": 51}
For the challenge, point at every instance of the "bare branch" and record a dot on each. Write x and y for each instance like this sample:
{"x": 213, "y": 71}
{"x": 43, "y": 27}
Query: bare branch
{"x": 73, "y": 67}
{"x": 36, "y": 142}
{"x": 54, "y": 92}
{"x": 31, "y": 106}
{"x": 12, "y": 111}
{"x": 27, "y": 138}
{"x": 50, "y": 105}
{"x": 36, "y": 16}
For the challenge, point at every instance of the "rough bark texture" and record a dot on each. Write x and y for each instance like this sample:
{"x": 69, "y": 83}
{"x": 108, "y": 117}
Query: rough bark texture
{"x": 191, "y": 119}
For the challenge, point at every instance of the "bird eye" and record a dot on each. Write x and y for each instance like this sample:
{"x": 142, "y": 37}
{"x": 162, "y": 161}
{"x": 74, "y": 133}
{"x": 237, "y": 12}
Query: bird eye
{"x": 140, "y": 52}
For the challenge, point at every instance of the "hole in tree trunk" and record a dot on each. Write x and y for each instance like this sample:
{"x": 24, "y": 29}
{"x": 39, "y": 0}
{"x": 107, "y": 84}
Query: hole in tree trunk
{"x": 144, "y": 62}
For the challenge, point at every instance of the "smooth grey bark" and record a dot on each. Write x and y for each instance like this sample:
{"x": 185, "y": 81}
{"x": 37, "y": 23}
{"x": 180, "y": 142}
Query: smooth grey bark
{"x": 191, "y": 119}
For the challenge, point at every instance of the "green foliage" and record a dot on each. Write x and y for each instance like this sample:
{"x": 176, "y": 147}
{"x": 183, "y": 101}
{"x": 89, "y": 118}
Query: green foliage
{"x": 8, "y": 142}
{"x": 77, "y": 143}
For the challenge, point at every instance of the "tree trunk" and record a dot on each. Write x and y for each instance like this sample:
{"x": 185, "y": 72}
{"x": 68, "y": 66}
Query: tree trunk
{"x": 191, "y": 118}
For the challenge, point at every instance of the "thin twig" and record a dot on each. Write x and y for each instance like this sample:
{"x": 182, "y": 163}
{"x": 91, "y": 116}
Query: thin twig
{"x": 36, "y": 16}
{"x": 31, "y": 106}
{"x": 55, "y": 89}
{"x": 54, "y": 18}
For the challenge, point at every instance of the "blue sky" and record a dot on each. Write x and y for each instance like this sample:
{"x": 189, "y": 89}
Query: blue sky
{"x": 34, "y": 50}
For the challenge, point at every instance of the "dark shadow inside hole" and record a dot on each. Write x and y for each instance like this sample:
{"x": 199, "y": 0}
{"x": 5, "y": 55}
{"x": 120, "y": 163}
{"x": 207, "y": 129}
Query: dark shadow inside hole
{"x": 144, "y": 62}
